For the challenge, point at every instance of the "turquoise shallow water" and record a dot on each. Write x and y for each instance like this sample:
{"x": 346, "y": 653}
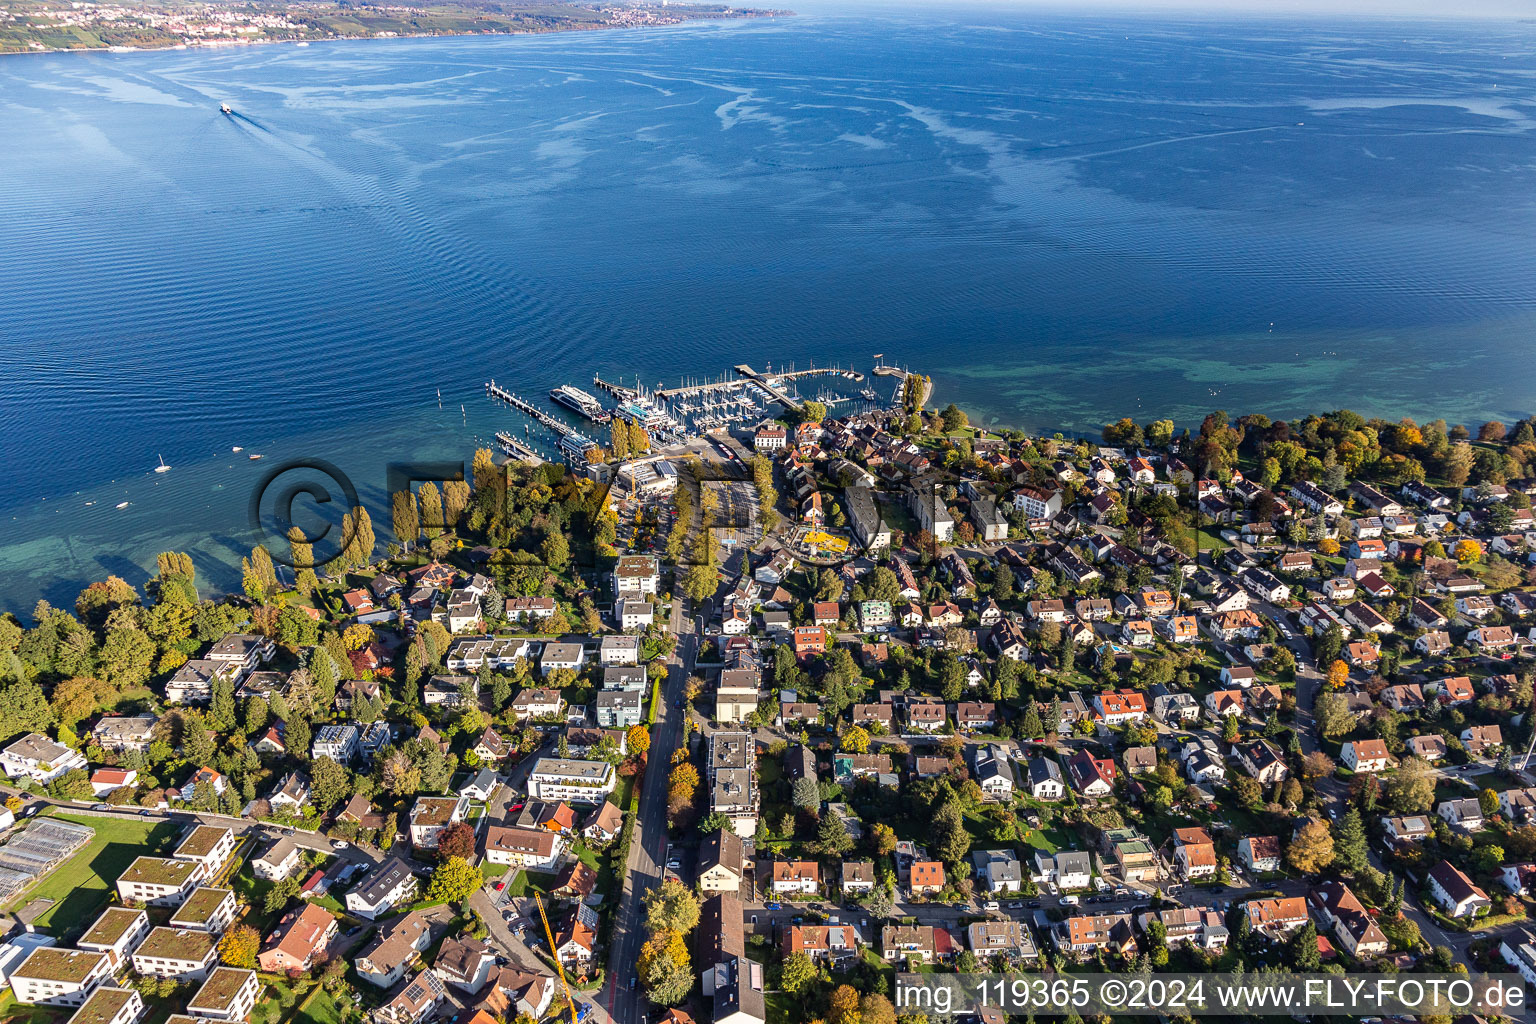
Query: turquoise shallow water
{"x": 1064, "y": 219}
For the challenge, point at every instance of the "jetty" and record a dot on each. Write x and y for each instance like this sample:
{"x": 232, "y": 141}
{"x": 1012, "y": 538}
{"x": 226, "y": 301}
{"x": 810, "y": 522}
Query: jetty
{"x": 619, "y": 391}
{"x": 572, "y": 442}
{"x": 515, "y": 448}
{"x": 762, "y": 381}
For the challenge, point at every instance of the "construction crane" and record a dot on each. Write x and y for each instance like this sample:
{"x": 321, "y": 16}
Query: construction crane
{"x": 549, "y": 937}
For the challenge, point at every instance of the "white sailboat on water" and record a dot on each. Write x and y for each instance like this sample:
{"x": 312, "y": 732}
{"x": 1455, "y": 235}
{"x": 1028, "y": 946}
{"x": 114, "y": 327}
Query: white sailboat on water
{"x": 162, "y": 468}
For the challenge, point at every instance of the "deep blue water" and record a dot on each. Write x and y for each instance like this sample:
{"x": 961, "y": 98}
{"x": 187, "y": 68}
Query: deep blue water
{"x": 1065, "y": 220}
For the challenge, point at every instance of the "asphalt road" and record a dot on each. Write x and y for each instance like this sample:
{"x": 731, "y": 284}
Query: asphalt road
{"x": 647, "y": 850}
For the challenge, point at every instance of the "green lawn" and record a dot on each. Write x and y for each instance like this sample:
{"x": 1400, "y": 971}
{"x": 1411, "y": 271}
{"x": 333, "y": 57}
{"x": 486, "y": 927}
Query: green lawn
{"x": 528, "y": 882}
{"x": 322, "y": 1007}
{"x": 279, "y": 999}
{"x": 82, "y": 885}
{"x": 12, "y": 1012}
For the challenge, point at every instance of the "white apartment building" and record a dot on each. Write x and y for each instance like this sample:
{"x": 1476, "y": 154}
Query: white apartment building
{"x": 228, "y": 994}
{"x": 117, "y": 933}
{"x": 206, "y": 910}
{"x": 36, "y": 757}
{"x": 184, "y": 954}
{"x": 208, "y": 845}
{"x": 575, "y": 782}
{"x": 55, "y": 976}
{"x": 159, "y": 881}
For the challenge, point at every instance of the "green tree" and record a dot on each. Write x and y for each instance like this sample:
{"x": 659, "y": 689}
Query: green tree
{"x": 406, "y": 517}
{"x": 805, "y": 795}
{"x": 954, "y": 418}
{"x": 832, "y": 838}
{"x": 671, "y": 906}
{"x": 950, "y": 840}
{"x": 1350, "y": 850}
{"x": 1333, "y": 716}
{"x": 454, "y": 881}
{"x": 329, "y": 783}
{"x": 798, "y": 973}
{"x": 278, "y": 896}
{"x": 221, "y": 707}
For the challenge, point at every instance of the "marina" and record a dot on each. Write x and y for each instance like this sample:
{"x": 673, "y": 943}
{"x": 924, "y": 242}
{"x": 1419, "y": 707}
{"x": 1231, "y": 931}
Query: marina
{"x": 698, "y": 406}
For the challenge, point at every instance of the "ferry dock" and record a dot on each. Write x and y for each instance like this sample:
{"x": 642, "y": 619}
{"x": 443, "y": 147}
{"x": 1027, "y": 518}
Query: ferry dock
{"x": 573, "y": 444}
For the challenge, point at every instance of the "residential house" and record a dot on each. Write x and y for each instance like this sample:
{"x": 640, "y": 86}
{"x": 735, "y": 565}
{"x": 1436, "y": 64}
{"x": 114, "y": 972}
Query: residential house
{"x": 1262, "y": 760}
{"x": 1276, "y": 918}
{"x": 1465, "y": 813}
{"x": 1339, "y": 910}
{"x": 36, "y": 757}
{"x": 117, "y": 933}
{"x": 1260, "y": 853}
{"x": 1090, "y": 776}
{"x": 301, "y": 935}
{"x": 55, "y": 976}
{"x": 1365, "y": 755}
{"x": 388, "y": 885}
{"x": 799, "y": 876}
{"x": 1455, "y": 892}
{"x": 394, "y": 948}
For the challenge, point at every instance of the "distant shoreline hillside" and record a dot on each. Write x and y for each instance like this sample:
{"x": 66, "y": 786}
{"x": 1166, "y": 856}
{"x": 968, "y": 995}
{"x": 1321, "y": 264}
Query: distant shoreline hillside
{"x": 51, "y": 26}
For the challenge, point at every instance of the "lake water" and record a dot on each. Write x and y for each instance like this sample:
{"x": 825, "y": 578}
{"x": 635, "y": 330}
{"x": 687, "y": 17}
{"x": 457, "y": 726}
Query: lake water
{"x": 1064, "y": 220}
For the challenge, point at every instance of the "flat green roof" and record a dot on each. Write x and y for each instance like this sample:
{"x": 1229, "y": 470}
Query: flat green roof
{"x": 52, "y": 963}
{"x": 159, "y": 871}
{"x": 201, "y": 841}
{"x": 223, "y": 984}
{"x": 199, "y": 907}
{"x": 112, "y": 925}
{"x": 176, "y": 944}
{"x": 103, "y": 1006}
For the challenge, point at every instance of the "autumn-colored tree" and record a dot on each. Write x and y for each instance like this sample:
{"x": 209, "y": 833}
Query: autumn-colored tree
{"x": 1467, "y": 550}
{"x": 638, "y": 739}
{"x": 843, "y": 1005}
{"x": 1312, "y": 849}
{"x": 663, "y": 967}
{"x": 1317, "y": 765}
{"x": 875, "y": 1008}
{"x": 457, "y": 840}
{"x": 856, "y": 740}
{"x": 239, "y": 946}
{"x": 1338, "y": 674}
{"x": 1328, "y": 546}
{"x": 671, "y": 906}
{"x": 682, "y": 783}
{"x": 883, "y": 837}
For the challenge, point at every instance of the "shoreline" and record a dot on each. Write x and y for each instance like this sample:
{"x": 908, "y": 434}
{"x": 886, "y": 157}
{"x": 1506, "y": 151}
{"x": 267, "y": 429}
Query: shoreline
{"x": 746, "y": 14}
